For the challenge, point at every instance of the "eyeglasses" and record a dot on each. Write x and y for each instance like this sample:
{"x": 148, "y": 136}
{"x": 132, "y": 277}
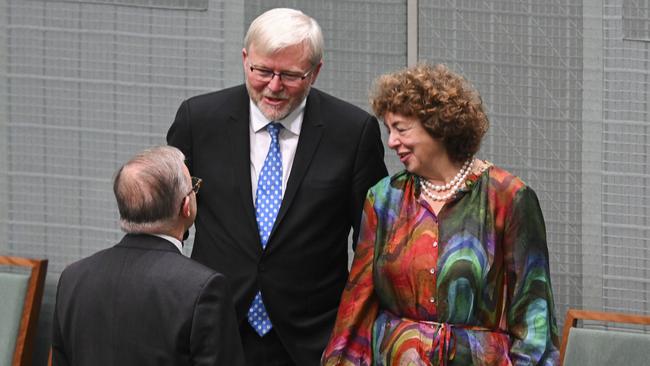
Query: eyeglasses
{"x": 286, "y": 77}
{"x": 196, "y": 185}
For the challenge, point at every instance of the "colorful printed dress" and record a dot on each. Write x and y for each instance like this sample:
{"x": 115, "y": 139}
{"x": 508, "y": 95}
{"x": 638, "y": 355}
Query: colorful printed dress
{"x": 470, "y": 286}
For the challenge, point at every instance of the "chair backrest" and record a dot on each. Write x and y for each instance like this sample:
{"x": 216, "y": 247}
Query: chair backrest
{"x": 20, "y": 304}
{"x": 594, "y": 347}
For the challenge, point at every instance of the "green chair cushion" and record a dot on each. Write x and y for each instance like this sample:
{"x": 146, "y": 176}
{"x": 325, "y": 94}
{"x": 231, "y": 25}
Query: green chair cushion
{"x": 595, "y": 347}
{"x": 12, "y": 298}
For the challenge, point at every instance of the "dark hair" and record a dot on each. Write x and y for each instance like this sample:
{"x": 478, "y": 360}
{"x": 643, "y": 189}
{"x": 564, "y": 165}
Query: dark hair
{"x": 448, "y": 107}
{"x": 149, "y": 189}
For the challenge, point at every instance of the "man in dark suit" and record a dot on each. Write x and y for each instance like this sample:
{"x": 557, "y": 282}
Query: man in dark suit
{"x": 287, "y": 169}
{"x": 142, "y": 302}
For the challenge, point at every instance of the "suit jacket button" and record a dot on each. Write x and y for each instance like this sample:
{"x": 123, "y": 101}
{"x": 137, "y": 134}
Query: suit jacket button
{"x": 262, "y": 268}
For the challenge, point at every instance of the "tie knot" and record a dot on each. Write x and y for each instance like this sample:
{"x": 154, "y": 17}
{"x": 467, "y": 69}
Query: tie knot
{"x": 274, "y": 129}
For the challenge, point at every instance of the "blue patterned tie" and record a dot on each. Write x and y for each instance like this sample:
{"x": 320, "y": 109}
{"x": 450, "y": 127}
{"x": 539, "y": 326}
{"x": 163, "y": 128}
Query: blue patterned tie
{"x": 267, "y": 204}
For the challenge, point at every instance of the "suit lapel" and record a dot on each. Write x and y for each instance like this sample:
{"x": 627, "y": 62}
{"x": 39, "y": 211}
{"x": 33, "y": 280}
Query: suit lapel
{"x": 310, "y": 136}
{"x": 238, "y": 135}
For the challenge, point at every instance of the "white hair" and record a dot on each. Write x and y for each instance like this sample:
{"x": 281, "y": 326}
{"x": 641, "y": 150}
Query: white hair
{"x": 280, "y": 28}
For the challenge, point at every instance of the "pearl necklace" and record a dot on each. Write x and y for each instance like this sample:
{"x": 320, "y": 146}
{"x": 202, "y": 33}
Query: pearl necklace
{"x": 428, "y": 188}
{"x": 459, "y": 177}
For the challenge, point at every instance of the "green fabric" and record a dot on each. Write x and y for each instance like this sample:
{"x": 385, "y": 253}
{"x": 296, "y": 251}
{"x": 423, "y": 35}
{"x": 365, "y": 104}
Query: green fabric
{"x": 595, "y": 347}
{"x": 12, "y": 297}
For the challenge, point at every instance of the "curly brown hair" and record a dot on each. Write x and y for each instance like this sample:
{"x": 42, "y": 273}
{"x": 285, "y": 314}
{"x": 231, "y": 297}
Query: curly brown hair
{"x": 446, "y": 104}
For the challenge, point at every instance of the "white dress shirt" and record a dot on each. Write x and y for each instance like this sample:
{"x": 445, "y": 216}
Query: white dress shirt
{"x": 260, "y": 140}
{"x": 173, "y": 240}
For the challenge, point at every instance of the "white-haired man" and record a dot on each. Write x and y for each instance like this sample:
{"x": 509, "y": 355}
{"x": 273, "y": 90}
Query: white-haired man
{"x": 287, "y": 168}
{"x": 142, "y": 302}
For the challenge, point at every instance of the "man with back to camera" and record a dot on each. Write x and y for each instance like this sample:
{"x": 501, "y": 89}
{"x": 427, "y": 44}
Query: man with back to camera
{"x": 142, "y": 302}
{"x": 287, "y": 168}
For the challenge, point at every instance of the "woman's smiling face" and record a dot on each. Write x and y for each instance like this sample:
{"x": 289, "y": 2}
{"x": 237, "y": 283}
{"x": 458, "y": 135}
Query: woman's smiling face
{"x": 414, "y": 146}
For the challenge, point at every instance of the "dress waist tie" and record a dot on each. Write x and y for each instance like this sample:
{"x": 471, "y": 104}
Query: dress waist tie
{"x": 445, "y": 338}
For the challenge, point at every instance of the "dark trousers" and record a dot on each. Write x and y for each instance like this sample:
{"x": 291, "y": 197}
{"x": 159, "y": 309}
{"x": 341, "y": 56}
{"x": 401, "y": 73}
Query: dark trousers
{"x": 263, "y": 351}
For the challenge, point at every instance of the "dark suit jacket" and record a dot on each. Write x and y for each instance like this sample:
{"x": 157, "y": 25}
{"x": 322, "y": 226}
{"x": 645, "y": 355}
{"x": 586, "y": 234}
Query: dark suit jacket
{"x": 303, "y": 269}
{"x": 141, "y": 303}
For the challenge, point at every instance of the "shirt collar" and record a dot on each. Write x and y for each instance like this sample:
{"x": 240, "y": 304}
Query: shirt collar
{"x": 292, "y": 123}
{"x": 177, "y": 243}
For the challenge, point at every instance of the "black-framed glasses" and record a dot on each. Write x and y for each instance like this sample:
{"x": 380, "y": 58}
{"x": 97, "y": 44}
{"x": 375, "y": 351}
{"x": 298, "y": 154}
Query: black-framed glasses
{"x": 286, "y": 77}
{"x": 196, "y": 185}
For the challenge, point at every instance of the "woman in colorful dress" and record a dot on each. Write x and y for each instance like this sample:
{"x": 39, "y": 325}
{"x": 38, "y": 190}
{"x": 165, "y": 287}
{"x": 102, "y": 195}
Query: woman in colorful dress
{"x": 452, "y": 265}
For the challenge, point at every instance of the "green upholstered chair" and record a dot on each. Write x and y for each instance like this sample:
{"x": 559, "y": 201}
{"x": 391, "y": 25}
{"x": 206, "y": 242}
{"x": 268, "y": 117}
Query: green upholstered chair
{"x": 21, "y": 293}
{"x": 596, "y": 347}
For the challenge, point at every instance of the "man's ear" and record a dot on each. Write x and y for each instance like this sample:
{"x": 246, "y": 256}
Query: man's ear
{"x": 315, "y": 72}
{"x": 185, "y": 207}
{"x": 244, "y": 57}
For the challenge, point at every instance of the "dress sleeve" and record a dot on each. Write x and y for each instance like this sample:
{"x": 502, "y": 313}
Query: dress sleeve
{"x": 351, "y": 341}
{"x": 531, "y": 310}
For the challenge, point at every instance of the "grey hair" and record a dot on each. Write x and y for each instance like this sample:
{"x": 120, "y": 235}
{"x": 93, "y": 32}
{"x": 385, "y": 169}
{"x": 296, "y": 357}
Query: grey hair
{"x": 280, "y": 28}
{"x": 149, "y": 190}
